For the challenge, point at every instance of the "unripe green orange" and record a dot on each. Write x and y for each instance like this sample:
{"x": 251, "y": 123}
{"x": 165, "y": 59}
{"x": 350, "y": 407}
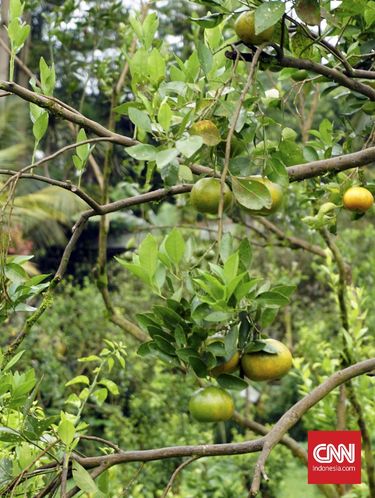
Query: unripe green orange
{"x": 211, "y": 404}
{"x": 205, "y": 195}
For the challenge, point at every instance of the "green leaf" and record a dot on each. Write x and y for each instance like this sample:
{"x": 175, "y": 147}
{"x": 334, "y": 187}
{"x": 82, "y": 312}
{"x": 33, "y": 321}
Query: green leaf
{"x": 83, "y": 480}
{"x": 370, "y": 14}
{"x": 175, "y": 246}
{"x": 255, "y": 346}
{"x": 136, "y": 269}
{"x": 148, "y": 255}
{"x": 251, "y": 194}
{"x": 291, "y": 153}
{"x": 273, "y": 298}
{"x": 15, "y": 9}
{"x": 164, "y": 345}
{"x": 142, "y": 152}
{"x": 267, "y": 15}
{"x": 40, "y": 126}
{"x": 205, "y": 57}
{"x": 149, "y": 28}
{"x": 188, "y": 147}
{"x": 13, "y": 361}
{"x": 47, "y": 77}
{"x": 245, "y": 252}
{"x": 277, "y": 172}
{"x": 156, "y": 67}
{"x": 140, "y": 119}
{"x": 80, "y": 379}
{"x": 231, "y": 267}
{"x": 218, "y": 316}
{"x": 233, "y": 382}
{"x": 66, "y": 431}
{"x": 100, "y": 395}
{"x": 111, "y": 386}
{"x": 165, "y": 115}
{"x": 83, "y": 151}
{"x": 165, "y": 157}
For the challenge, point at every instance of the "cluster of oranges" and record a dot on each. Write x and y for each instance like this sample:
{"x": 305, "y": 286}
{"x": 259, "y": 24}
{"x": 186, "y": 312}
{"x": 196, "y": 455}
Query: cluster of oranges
{"x": 214, "y": 404}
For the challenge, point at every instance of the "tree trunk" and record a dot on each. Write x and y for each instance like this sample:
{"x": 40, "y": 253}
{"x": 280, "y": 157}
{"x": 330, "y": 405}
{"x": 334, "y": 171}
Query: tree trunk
{"x": 4, "y": 56}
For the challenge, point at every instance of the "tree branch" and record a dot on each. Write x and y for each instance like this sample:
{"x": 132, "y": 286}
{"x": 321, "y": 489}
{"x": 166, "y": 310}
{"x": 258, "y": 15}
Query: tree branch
{"x": 294, "y": 242}
{"x": 64, "y": 185}
{"x": 296, "y": 449}
{"x": 58, "y": 109}
{"x": 293, "y": 62}
{"x": 292, "y": 416}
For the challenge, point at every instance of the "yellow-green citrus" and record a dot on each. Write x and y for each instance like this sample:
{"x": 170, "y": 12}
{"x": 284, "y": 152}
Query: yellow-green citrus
{"x": 227, "y": 367}
{"x": 205, "y": 195}
{"x": 211, "y": 404}
{"x": 245, "y": 29}
{"x": 207, "y": 130}
{"x": 260, "y": 365}
{"x": 358, "y": 199}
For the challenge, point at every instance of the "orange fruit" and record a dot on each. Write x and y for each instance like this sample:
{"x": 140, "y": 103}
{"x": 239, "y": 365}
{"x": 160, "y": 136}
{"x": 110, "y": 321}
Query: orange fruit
{"x": 227, "y": 367}
{"x": 211, "y": 404}
{"x": 260, "y": 365}
{"x": 358, "y": 199}
{"x": 205, "y": 195}
{"x": 245, "y": 29}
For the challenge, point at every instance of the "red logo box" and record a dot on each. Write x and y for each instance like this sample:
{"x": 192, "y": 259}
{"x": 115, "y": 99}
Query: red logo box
{"x": 334, "y": 457}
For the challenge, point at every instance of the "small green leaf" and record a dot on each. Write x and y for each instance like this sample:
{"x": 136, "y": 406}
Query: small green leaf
{"x": 80, "y": 379}
{"x": 228, "y": 381}
{"x": 148, "y": 254}
{"x": 205, "y": 57}
{"x": 165, "y": 157}
{"x": 175, "y": 246}
{"x": 142, "y": 152}
{"x": 273, "y": 298}
{"x": 40, "y": 126}
{"x": 140, "y": 119}
{"x": 66, "y": 431}
{"x": 189, "y": 146}
{"x": 83, "y": 480}
{"x": 251, "y": 194}
{"x": 165, "y": 115}
{"x": 111, "y": 386}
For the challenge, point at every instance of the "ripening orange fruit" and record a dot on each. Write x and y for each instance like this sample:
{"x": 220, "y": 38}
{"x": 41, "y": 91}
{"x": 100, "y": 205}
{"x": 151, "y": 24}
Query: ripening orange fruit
{"x": 358, "y": 199}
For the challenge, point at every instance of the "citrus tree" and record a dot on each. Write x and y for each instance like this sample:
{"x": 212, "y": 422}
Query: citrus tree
{"x": 252, "y": 110}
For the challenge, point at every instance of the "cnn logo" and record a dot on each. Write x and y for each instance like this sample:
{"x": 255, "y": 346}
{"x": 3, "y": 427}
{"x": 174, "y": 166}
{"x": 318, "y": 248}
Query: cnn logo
{"x": 326, "y": 453}
{"x": 334, "y": 457}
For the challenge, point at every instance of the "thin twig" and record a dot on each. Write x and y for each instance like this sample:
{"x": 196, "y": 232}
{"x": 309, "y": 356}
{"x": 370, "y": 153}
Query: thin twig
{"x": 228, "y": 144}
{"x": 176, "y": 472}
